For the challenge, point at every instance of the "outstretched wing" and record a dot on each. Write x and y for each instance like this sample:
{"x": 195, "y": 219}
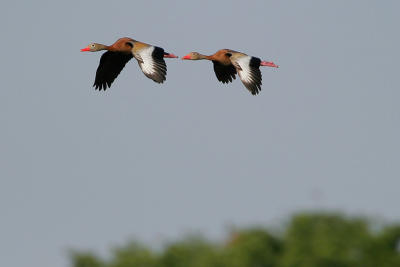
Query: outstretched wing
{"x": 111, "y": 64}
{"x": 151, "y": 61}
{"x": 249, "y": 72}
{"x": 224, "y": 73}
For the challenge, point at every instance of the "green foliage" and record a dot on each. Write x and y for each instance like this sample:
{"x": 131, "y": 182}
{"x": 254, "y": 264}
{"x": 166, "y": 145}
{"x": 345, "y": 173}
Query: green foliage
{"x": 309, "y": 239}
{"x": 325, "y": 240}
{"x": 191, "y": 252}
{"x": 252, "y": 248}
{"x": 85, "y": 259}
{"x": 385, "y": 249}
{"x": 133, "y": 254}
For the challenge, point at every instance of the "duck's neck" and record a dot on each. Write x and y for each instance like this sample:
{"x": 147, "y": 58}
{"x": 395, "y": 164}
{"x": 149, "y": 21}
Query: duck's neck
{"x": 201, "y": 56}
{"x": 108, "y": 47}
{"x": 100, "y": 47}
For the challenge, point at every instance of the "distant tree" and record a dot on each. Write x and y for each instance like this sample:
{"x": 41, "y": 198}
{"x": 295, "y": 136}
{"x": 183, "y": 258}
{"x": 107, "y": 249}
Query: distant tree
{"x": 133, "y": 254}
{"x": 193, "y": 251}
{"x": 325, "y": 240}
{"x": 385, "y": 248}
{"x": 252, "y": 248}
{"x": 309, "y": 240}
{"x": 86, "y": 259}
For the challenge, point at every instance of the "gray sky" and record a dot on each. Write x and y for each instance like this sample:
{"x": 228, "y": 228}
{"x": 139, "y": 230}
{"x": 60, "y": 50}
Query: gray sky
{"x": 86, "y": 169}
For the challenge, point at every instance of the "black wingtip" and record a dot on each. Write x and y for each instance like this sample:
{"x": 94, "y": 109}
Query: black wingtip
{"x": 100, "y": 86}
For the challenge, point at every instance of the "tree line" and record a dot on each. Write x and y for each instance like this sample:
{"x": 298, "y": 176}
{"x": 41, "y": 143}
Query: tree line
{"x": 306, "y": 240}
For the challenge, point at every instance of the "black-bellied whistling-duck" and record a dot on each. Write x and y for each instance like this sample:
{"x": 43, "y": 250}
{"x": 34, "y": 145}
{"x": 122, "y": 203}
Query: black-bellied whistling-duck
{"x": 228, "y": 62}
{"x": 150, "y": 59}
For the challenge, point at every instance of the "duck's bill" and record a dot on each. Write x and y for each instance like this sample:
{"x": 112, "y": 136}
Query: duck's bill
{"x": 85, "y": 49}
{"x": 269, "y": 64}
{"x": 170, "y": 56}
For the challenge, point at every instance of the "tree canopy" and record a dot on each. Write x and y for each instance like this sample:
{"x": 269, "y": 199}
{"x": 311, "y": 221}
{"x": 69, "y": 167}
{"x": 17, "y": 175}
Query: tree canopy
{"x": 308, "y": 240}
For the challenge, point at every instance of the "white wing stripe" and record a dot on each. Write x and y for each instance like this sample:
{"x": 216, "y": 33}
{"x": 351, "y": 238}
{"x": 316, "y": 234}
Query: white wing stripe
{"x": 153, "y": 68}
{"x": 147, "y": 59}
{"x": 245, "y": 72}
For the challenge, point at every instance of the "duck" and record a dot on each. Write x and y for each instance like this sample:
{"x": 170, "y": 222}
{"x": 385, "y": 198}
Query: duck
{"x": 227, "y": 63}
{"x": 149, "y": 57}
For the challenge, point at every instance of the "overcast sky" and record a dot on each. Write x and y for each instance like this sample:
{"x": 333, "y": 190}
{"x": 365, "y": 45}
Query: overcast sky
{"x": 88, "y": 170}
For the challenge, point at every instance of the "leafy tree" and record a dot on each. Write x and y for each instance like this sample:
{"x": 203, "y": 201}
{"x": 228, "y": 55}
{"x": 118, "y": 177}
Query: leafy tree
{"x": 385, "y": 248}
{"x": 252, "y": 248}
{"x": 327, "y": 240}
{"x": 309, "y": 240}
{"x": 85, "y": 259}
{"x": 194, "y": 251}
{"x": 133, "y": 254}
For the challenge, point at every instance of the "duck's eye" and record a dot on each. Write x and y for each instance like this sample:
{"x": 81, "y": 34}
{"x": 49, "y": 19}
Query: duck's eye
{"x": 93, "y": 45}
